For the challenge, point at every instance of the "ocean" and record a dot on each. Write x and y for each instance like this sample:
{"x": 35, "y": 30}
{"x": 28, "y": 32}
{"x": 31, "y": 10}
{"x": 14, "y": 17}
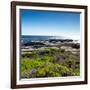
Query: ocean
{"x": 35, "y": 38}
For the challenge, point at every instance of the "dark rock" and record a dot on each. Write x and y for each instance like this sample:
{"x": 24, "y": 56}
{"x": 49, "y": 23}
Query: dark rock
{"x": 41, "y": 53}
{"x": 33, "y": 43}
{"x": 58, "y": 58}
{"x": 77, "y": 46}
{"x": 32, "y": 73}
{"x": 60, "y": 40}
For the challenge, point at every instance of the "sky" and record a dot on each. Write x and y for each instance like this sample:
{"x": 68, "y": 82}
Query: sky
{"x": 49, "y": 23}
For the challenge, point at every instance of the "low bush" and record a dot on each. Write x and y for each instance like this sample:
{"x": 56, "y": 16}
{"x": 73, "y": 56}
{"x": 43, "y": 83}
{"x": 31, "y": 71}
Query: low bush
{"x": 53, "y": 63}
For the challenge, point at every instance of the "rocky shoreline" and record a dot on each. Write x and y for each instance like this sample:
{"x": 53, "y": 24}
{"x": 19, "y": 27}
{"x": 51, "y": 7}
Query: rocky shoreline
{"x": 66, "y": 44}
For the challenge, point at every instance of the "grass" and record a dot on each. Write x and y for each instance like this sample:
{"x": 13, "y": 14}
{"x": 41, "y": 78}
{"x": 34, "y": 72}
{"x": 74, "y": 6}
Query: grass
{"x": 49, "y": 63}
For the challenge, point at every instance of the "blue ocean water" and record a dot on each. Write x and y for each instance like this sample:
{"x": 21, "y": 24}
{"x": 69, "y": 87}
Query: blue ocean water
{"x": 34, "y": 38}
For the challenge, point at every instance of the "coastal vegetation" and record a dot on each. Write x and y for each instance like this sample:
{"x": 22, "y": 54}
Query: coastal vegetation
{"x": 49, "y": 62}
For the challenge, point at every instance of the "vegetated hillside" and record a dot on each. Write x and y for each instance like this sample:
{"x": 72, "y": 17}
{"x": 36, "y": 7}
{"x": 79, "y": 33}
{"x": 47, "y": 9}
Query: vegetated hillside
{"x": 50, "y": 62}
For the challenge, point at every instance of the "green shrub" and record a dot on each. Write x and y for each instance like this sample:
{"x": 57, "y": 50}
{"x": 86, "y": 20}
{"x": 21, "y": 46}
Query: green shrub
{"x": 62, "y": 50}
{"x": 35, "y": 65}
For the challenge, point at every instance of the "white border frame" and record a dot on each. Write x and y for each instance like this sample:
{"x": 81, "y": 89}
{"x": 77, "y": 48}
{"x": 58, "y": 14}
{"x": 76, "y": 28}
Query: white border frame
{"x": 54, "y": 79}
